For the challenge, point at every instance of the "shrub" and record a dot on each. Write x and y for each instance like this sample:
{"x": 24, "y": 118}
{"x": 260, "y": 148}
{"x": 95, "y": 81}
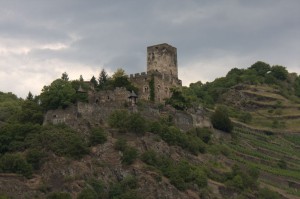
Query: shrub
{"x": 59, "y": 195}
{"x": 245, "y": 117}
{"x": 15, "y": 163}
{"x": 3, "y": 196}
{"x": 97, "y": 136}
{"x": 173, "y": 136}
{"x": 61, "y": 140}
{"x": 203, "y": 133}
{"x": 150, "y": 157}
{"x": 266, "y": 193}
{"x": 121, "y": 144}
{"x": 181, "y": 174}
{"x": 136, "y": 124}
{"x": 98, "y": 187}
{"x": 124, "y": 121}
{"x": 118, "y": 119}
{"x": 129, "y": 155}
{"x": 242, "y": 179}
{"x": 35, "y": 157}
{"x": 282, "y": 164}
{"x": 220, "y": 119}
{"x": 87, "y": 193}
{"x": 124, "y": 189}
{"x": 155, "y": 127}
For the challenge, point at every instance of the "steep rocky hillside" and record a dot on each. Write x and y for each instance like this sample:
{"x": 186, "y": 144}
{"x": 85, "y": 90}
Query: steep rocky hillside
{"x": 68, "y": 148}
{"x": 270, "y": 110}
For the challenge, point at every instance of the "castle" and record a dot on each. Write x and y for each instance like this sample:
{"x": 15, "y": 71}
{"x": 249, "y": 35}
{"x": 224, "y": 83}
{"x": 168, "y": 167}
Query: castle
{"x": 161, "y": 76}
{"x": 155, "y": 84}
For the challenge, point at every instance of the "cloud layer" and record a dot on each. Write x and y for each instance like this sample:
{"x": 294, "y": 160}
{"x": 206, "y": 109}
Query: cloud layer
{"x": 39, "y": 40}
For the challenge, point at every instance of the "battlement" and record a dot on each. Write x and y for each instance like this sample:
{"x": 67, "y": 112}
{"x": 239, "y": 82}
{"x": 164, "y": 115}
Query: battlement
{"x": 142, "y": 74}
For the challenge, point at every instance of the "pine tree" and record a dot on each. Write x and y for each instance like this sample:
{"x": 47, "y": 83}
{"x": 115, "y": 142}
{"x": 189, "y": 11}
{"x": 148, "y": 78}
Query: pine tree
{"x": 102, "y": 79}
{"x": 94, "y": 81}
{"x": 81, "y": 78}
{"x": 29, "y": 96}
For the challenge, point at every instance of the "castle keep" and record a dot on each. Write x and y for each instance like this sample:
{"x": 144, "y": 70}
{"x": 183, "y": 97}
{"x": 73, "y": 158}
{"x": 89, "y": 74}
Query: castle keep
{"x": 162, "y": 72}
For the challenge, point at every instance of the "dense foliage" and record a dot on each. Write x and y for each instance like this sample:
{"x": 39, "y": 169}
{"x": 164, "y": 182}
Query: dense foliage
{"x": 181, "y": 174}
{"x": 118, "y": 79}
{"x": 220, "y": 119}
{"x": 259, "y": 73}
{"x": 178, "y": 100}
{"x": 124, "y": 121}
{"x": 61, "y": 93}
{"x": 97, "y": 136}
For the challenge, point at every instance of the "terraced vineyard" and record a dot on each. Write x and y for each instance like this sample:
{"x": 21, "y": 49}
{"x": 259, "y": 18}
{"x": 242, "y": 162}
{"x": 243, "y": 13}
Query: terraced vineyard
{"x": 276, "y": 156}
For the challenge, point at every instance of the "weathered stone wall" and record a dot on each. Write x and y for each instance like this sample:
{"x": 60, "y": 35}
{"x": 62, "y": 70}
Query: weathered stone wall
{"x": 141, "y": 81}
{"x": 85, "y": 115}
{"x": 162, "y": 85}
{"x": 119, "y": 95}
{"x": 162, "y": 58}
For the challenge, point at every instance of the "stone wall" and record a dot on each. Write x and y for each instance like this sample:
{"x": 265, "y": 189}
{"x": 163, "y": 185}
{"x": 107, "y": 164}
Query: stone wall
{"x": 162, "y": 85}
{"x": 162, "y": 58}
{"x": 85, "y": 115}
{"x": 119, "y": 95}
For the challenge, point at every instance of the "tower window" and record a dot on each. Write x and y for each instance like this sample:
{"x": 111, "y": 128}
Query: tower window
{"x": 146, "y": 89}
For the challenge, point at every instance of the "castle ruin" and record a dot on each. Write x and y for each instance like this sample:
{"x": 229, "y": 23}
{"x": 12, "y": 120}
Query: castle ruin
{"x": 162, "y": 71}
{"x": 154, "y": 85}
{"x": 161, "y": 76}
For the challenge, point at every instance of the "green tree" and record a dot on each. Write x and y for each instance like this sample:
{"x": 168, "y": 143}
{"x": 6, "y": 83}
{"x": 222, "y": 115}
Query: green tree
{"x": 119, "y": 73}
{"x": 80, "y": 96}
{"x": 261, "y": 68}
{"x": 60, "y": 94}
{"x": 29, "y": 96}
{"x": 178, "y": 100}
{"x": 297, "y": 86}
{"x": 10, "y": 106}
{"x": 31, "y": 112}
{"x": 279, "y": 72}
{"x": 103, "y": 79}
{"x": 220, "y": 119}
{"x": 81, "y": 78}
{"x": 94, "y": 82}
{"x": 65, "y": 76}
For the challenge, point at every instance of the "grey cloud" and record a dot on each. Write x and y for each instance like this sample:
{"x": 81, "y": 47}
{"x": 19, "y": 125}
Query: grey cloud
{"x": 214, "y": 34}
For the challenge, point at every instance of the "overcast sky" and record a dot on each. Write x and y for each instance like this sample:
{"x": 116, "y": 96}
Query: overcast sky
{"x": 41, "y": 39}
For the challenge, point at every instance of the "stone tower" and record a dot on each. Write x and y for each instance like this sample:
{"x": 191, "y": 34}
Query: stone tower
{"x": 162, "y": 58}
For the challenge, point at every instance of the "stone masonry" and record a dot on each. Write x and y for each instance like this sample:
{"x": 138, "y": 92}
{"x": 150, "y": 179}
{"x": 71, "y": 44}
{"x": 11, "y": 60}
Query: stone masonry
{"x": 162, "y": 67}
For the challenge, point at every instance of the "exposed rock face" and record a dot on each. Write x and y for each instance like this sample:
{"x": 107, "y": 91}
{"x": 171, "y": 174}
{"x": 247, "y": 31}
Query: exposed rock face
{"x": 104, "y": 163}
